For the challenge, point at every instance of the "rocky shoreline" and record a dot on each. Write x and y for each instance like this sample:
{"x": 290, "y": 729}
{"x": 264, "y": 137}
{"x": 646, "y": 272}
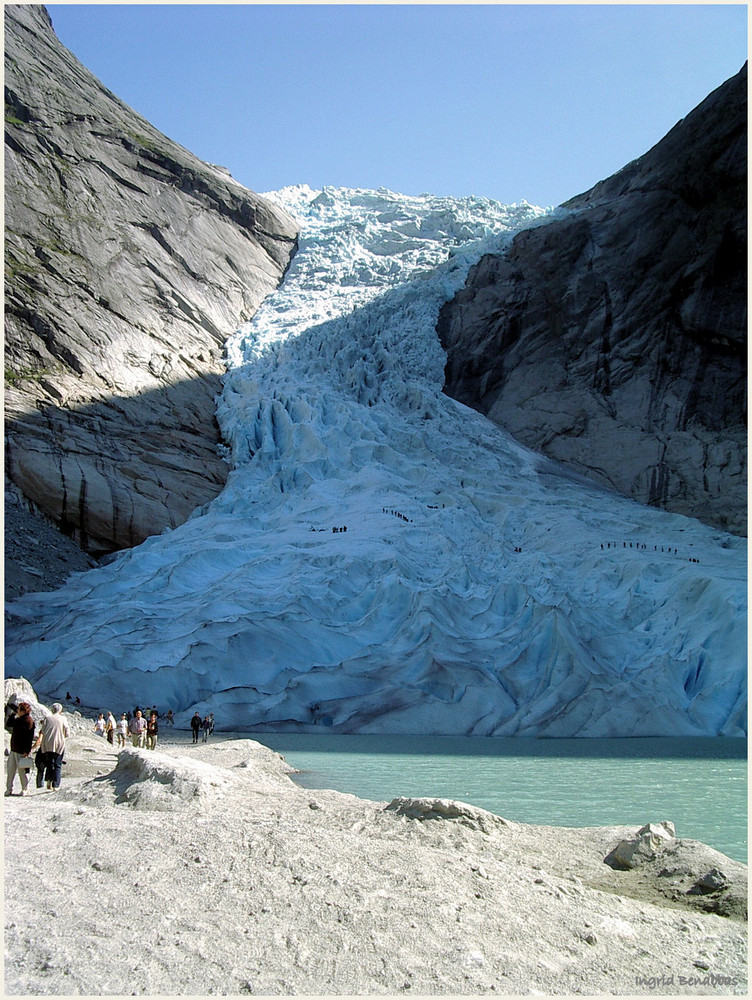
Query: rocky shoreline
{"x": 204, "y": 869}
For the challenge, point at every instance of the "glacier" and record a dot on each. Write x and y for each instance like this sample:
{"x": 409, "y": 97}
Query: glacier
{"x": 384, "y": 559}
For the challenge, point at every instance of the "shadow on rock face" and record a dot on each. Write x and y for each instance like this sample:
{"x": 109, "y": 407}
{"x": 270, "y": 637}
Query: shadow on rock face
{"x": 614, "y": 339}
{"x": 113, "y": 472}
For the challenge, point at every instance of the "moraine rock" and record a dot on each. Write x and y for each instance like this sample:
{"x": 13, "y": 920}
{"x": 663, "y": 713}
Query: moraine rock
{"x": 644, "y": 846}
{"x": 653, "y": 863}
{"x": 445, "y": 809}
{"x": 128, "y": 262}
{"x": 613, "y": 339}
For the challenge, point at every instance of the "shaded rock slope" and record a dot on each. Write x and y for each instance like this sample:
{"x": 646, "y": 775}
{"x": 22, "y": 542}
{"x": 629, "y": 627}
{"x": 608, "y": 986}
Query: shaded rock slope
{"x": 614, "y": 338}
{"x": 37, "y": 555}
{"x": 128, "y": 262}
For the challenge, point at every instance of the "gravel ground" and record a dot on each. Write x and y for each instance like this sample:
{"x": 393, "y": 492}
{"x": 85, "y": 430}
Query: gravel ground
{"x": 194, "y": 870}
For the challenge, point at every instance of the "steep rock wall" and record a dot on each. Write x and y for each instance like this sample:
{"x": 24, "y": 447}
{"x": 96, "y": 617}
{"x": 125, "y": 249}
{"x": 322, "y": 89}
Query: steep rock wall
{"x": 128, "y": 262}
{"x": 613, "y": 339}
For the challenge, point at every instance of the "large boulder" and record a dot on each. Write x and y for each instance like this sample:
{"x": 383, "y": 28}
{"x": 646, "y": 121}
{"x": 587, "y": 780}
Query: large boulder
{"x": 653, "y": 863}
{"x": 613, "y": 338}
{"x": 128, "y": 263}
{"x": 644, "y": 846}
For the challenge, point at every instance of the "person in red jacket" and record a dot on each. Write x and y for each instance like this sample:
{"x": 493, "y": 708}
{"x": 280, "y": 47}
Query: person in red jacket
{"x": 21, "y": 740}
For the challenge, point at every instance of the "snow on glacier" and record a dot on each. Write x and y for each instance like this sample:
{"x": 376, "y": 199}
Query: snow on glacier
{"x": 384, "y": 559}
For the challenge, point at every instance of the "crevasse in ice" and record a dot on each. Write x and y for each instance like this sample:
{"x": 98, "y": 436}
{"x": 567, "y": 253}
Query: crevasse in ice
{"x": 384, "y": 559}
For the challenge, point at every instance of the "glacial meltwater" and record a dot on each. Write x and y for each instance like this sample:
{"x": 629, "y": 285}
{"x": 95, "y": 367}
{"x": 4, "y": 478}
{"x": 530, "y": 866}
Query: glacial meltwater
{"x": 698, "y": 784}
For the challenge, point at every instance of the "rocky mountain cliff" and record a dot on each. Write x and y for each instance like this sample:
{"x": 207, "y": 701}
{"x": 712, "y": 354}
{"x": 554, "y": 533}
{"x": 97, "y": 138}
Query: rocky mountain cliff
{"x": 614, "y": 338}
{"x": 128, "y": 263}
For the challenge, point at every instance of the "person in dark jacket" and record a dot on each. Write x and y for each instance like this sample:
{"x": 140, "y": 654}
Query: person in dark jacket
{"x": 21, "y": 740}
{"x": 196, "y": 726}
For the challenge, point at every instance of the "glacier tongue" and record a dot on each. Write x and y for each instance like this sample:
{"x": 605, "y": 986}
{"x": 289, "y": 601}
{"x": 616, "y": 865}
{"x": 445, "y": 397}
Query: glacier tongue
{"x": 384, "y": 559}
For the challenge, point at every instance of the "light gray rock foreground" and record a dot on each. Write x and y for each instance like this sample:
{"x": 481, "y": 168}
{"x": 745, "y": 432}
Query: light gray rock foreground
{"x": 18, "y": 689}
{"x": 128, "y": 262}
{"x": 206, "y": 870}
{"x": 614, "y": 338}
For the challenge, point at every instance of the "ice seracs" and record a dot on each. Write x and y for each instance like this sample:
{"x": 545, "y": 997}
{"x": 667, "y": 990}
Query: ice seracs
{"x": 507, "y": 598}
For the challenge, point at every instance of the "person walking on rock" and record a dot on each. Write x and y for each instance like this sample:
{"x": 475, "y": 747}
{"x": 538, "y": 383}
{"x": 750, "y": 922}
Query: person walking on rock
{"x": 206, "y": 726}
{"x": 52, "y": 744}
{"x": 122, "y": 730}
{"x": 137, "y": 729}
{"x": 109, "y": 728}
{"x": 99, "y": 725}
{"x": 195, "y": 726}
{"x": 21, "y": 741}
{"x": 152, "y": 731}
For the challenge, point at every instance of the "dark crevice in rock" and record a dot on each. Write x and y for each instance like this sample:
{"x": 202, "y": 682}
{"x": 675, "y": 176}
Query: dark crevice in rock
{"x": 119, "y": 178}
{"x": 160, "y": 238}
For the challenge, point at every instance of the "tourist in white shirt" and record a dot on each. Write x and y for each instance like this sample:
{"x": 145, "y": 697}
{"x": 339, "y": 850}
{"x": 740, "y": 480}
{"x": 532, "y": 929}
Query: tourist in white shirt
{"x": 122, "y": 729}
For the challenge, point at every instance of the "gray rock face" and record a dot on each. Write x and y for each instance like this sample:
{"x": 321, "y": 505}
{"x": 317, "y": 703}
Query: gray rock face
{"x": 613, "y": 338}
{"x": 128, "y": 263}
{"x": 37, "y": 556}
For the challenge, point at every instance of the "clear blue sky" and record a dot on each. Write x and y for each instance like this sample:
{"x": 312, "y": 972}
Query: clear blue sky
{"x": 510, "y": 101}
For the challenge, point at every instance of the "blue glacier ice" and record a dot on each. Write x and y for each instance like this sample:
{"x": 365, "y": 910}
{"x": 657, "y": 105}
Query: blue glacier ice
{"x": 384, "y": 559}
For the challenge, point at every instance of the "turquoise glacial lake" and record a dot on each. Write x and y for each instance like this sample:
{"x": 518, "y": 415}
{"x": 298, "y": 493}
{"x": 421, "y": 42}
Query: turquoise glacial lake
{"x": 698, "y": 784}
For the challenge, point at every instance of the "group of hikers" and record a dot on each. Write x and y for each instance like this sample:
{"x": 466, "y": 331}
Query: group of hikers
{"x": 143, "y": 731}
{"x": 205, "y": 725}
{"x": 666, "y": 549}
{"x": 142, "y": 726}
{"x": 48, "y": 744}
{"x": 43, "y": 745}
